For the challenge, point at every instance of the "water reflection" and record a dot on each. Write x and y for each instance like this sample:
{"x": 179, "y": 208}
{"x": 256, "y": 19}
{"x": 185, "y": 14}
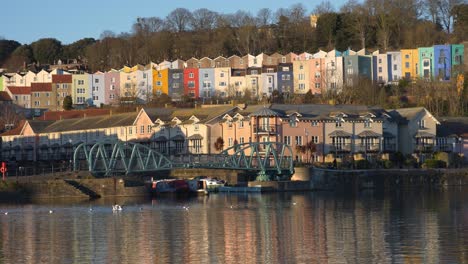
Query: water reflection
{"x": 276, "y": 228}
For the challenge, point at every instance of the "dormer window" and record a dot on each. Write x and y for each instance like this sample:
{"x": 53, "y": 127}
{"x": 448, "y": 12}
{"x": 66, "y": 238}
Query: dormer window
{"x": 293, "y": 122}
{"x": 367, "y": 124}
{"x": 314, "y": 123}
{"x": 422, "y": 124}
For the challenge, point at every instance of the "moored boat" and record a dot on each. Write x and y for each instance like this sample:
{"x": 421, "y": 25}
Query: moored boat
{"x": 168, "y": 186}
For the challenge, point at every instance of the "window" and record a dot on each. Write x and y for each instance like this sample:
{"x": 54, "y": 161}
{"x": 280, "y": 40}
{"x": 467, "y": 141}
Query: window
{"x": 159, "y": 75}
{"x": 221, "y": 75}
{"x": 206, "y": 84}
{"x": 317, "y": 85}
{"x": 230, "y": 142}
{"x": 338, "y": 124}
{"x": 380, "y": 69}
{"x": 301, "y": 67}
{"x": 254, "y": 81}
{"x": 380, "y": 61}
{"x": 175, "y": 85}
{"x": 144, "y": 75}
{"x": 191, "y": 84}
{"x": 80, "y": 82}
{"x": 222, "y": 83}
{"x": 96, "y": 80}
{"x": 112, "y": 96}
{"x": 407, "y": 56}
{"x": 113, "y": 80}
{"x": 36, "y": 103}
{"x": 57, "y": 86}
{"x": 241, "y": 124}
{"x": 149, "y": 128}
{"x": 130, "y": 130}
{"x": 283, "y": 59}
{"x": 407, "y": 64}
{"x": 426, "y": 63}
{"x": 315, "y": 139}
{"x": 301, "y": 86}
{"x": 254, "y": 72}
{"x": 191, "y": 75}
{"x": 293, "y": 122}
{"x": 142, "y": 129}
{"x": 422, "y": 124}
{"x": 158, "y": 83}
{"x": 314, "y": 123}
{"x": 175, "y": 76}
{"x": 112, "y": 87}
{"x": 395, "y": 67}
{"x": 196, "y": 127}
{"x": 287, "y": 140}
{"x": 301, "y": 76}
{"x": 205, "y": 75}
{"x": 367, "y": 124}
{"x": 241, "y": 140}
{"x": 317, "y": 75}
{"x": 285, "y": 69}
{"x": 128, "y": 78}
{"x": 298, "y": 140}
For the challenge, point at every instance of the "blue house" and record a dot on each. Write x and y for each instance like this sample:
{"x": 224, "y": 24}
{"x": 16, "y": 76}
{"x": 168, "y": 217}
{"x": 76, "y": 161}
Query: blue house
{"x": 285, "y": 78}
{"x": 442, "y": 65}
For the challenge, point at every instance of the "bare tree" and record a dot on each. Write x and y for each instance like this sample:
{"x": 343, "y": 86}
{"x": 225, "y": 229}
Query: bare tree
{"x": 204, "y": 19}
{"x": 179, "y": 20}
{"x": 10, "y": 117}
{"x": 264, "y": 17}
{"x": 446, "y": 12}
{"x": 324, "y": 7}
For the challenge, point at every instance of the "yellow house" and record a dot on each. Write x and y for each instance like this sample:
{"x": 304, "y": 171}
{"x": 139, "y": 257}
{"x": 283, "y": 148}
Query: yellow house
{"x": 409, "y": 61}
{"x": 161, "y": 81}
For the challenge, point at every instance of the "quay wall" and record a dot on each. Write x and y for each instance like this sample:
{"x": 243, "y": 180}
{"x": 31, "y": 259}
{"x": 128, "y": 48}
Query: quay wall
{"x": 355, "y": 180}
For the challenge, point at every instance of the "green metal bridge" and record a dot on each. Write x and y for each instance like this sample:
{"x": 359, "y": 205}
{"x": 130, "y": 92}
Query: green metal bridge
{"x": 104, "y": 158}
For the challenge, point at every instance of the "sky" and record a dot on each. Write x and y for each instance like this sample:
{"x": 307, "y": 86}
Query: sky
{"x": 68, "y": 21}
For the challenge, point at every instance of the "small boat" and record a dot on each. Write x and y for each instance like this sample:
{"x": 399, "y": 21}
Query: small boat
{"x": 168, "y": 186}
{"x": 116, "y": 207}
{"x": 203, "y": 185}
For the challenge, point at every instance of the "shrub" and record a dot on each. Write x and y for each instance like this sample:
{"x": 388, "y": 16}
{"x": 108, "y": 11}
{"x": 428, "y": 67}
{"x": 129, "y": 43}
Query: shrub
{"x": 434, "y": 164}
{"x": 362, "y": 164}
{"x": 387, "y": 164}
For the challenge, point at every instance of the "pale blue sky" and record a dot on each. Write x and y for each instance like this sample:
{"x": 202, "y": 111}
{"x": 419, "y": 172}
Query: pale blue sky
{"x": 28, "y": 20}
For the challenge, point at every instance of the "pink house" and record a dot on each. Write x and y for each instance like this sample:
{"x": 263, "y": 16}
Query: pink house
{"x": 111, "y": 87}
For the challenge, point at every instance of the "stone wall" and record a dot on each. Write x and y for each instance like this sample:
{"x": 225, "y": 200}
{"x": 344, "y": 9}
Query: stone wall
{"x": 355, "y": 180}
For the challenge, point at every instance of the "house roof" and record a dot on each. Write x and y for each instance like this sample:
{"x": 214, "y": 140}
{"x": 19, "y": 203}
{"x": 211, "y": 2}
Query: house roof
{"x": 265, "y": 112}
{"x": 38, "y": 126}
{"x": 4, "y": 96}
{"x": 41, "y": 87}
{"x": 96, "y": 122}
{"x": 15, "y": 131}
{"x": 65, "y": 78}
{"x": 19, "y": 89}
{"x": 58, "y": 115}
{"x": 369, "y": 133}
{"x": 405, "y": 114}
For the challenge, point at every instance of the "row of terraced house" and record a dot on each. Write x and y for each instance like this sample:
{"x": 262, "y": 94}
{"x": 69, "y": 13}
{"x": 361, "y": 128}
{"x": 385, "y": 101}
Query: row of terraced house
{"x": 337, "y": 131}
{"x": 231, "y": 77}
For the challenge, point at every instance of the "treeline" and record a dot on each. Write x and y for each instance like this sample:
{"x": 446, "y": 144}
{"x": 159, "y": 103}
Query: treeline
{"x": 382, "y": 24}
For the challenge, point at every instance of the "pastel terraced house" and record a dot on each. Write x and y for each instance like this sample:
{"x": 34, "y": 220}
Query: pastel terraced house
{"x": 410, "y": 64}
{"x": 81, "y": 92}
{"x": 112, "y": 87}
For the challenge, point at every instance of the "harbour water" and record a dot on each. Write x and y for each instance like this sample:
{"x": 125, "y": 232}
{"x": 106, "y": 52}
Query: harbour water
{"x": 404, "y": 227}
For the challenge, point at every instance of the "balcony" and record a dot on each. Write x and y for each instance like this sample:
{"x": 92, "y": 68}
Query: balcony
{"x": 389, "y": 147}
{"x": 368, "y": 148}
{"x": 340, "y": 148}
{"x": 424, "y": 148}
{"x": 444, "y": 148}
{"x": 264, "y": 129}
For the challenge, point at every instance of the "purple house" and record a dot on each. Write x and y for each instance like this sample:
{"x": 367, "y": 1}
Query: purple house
{"x": 112, "y": 87}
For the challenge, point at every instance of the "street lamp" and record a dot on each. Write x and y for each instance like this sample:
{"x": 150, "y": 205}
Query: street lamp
{"x": 71, "y": 152}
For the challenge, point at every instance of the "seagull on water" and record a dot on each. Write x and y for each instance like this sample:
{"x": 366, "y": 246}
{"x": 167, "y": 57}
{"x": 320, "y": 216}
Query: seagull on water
{"x": 6, "y": 213}
{"x": 50, "y": 211}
